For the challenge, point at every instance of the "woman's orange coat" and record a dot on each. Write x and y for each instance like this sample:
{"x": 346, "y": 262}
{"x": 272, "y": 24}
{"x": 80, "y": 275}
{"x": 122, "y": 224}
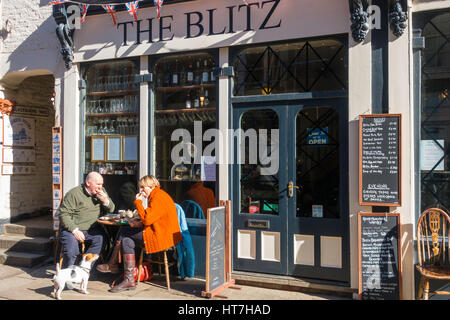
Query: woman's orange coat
{"x": 160, "y": 219}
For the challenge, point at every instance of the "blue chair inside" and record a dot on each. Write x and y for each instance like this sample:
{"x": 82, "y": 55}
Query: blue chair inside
{"x": 192, "y": 209}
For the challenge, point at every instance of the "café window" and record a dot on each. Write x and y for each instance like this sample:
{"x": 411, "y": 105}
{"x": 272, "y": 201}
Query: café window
{"x": 111, "y": 128}
{"x": 185, "y": 108}
{"x": 316, "y": 65}
{"x": 434, "y": 156}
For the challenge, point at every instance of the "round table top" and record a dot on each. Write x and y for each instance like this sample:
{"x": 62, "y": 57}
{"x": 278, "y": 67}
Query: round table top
{"x": 112, "y": 222}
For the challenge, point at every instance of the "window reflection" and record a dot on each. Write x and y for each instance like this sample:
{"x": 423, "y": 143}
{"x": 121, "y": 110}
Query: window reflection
{"x": 317, "y": 65}
{"x": 259, "y": 191}
{"x": 318, "y": 170}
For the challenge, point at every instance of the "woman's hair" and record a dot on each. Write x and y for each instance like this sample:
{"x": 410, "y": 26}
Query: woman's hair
{"x": 148, "y": 181}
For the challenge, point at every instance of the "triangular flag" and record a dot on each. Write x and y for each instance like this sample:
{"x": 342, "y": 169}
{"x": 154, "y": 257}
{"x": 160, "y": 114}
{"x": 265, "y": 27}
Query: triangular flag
{"x": 110, "y": 9}
{"x": 84, "y": 9}
{"x": 132, "y": 8}
{"x": 158, "y": 4}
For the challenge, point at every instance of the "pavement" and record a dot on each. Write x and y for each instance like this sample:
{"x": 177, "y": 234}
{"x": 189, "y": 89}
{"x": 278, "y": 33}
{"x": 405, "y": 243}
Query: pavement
{"x": 20, "y": 283}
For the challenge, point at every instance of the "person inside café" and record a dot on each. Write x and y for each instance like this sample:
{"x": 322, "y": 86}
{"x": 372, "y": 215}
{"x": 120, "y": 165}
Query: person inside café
{"x": 157, "y": 229}
{"x": 200, "y": 194}
{"x": 79, "y": 211}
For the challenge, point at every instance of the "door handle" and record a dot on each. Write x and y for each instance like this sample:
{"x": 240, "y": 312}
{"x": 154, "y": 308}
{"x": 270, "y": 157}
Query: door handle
{"x": 291, "y": 189}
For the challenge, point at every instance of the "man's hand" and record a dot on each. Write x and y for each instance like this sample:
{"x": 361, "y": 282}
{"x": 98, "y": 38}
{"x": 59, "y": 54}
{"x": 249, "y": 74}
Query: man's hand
{"x": 102, "y": 197}
{"x": 78, "y": 235}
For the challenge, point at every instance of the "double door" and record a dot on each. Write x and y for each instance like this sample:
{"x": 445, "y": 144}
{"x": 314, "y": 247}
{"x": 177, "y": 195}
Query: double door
{"x": 290, "y": 189}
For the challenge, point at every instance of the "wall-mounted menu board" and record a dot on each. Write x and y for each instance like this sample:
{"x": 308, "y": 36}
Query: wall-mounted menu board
{"x": 379, "y": 256}
{"x": 380, "y": 159}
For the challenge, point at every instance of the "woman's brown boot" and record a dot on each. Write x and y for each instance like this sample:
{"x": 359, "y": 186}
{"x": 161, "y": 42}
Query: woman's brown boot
{"x": 112, "y": 265}
{"x": 128, "y": 282}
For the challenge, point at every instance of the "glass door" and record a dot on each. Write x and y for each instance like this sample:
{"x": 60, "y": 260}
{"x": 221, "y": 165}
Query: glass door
{"x": 260, "y": 208}
{"x": 318, "y": 191}
{"x": 291, "y": 204}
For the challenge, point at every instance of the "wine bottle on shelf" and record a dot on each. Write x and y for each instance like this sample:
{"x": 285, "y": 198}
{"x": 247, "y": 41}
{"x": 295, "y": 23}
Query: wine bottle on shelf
{"x": 202, "y": 98}
{"x": 188, "y": 101}
{"x": 205, "y": 74}
{"x": 197, "y": 73}
{"x": 182, "y": 75}
{"x": 190, "y": 74}
{"x": 175, "y": 79}
{"x": 167, "y": 76}
{"x": 196, "y": 101}
{"x": 206, "y": 102}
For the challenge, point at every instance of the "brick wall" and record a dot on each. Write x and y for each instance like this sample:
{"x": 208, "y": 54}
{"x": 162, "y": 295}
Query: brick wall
{"x": 20, "y": 194}
{"x": 32, "y": 25}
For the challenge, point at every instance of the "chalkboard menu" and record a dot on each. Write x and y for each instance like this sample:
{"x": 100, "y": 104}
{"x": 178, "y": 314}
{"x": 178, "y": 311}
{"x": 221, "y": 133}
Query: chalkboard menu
{"x": 216, "y": 253}
{"x": 218, "y": 250}
{"x": 379, "y": 160}
{"x": 379, "y": 256}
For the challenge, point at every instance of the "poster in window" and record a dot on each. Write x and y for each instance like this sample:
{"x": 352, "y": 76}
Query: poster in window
{"x": 113, "y": 148}
{"x": 432, "y": 155}
{"x": 18, "y": 131}
{"x": 98, "y": 148}
{"x": 130, "y": 149}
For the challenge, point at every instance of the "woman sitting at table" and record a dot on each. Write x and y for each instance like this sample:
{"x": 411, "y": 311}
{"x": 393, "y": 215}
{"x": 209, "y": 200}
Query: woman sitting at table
{"x": 158, "y": 229}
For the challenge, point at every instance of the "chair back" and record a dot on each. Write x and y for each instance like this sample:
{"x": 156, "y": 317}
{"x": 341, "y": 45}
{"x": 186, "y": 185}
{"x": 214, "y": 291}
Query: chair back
{"x": 192, "y": 209}
{"x": 433, "y": 237}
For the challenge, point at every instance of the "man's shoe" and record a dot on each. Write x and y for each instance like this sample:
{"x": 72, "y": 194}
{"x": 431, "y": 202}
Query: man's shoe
{"x": 106, "y": 267}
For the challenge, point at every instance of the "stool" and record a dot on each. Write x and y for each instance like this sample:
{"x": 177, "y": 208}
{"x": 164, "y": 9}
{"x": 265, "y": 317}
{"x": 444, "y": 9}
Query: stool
{"x": 159, "y": 263}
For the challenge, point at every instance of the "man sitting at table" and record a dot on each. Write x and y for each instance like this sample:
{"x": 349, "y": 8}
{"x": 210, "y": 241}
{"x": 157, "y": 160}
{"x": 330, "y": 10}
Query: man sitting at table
{"x": 79, "y": 211}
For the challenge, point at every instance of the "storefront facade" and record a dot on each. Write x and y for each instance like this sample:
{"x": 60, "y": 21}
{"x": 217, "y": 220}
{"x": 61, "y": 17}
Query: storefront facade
{"x": 284, "y": 83}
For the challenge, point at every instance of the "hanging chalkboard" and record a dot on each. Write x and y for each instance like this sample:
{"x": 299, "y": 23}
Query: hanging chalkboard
{"x": 218, "y": 250}
{"x": 379, "y": 256}
{"x": 380, "y": 159}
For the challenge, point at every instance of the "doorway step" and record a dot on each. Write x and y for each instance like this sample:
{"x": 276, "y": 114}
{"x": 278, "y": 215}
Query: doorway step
{"x": 288, "y": 283}
{"x": 27, "y": 243}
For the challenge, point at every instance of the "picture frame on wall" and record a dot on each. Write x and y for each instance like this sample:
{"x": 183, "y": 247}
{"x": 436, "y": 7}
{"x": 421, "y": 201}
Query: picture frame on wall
{"x": 114, "y": 149}
{"x": 19, "y": 131}
{"x": 130, "y": 149}
{"x": 98, "y": 148}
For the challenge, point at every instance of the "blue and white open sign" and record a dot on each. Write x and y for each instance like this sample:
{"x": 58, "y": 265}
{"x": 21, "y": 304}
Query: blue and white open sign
{"x": 317, "y": 136}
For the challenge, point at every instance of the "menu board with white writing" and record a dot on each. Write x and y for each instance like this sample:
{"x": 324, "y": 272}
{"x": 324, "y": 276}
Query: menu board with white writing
{"x": 379, "y": 256}
{"x": 379, "y": 160}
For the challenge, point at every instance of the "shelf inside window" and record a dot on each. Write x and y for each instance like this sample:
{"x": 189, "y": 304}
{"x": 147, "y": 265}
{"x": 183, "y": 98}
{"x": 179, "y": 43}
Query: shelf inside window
{"x": 113, "y": 93}
{"x": 122, "y": 114}
{"x": 186, "y": 88}
{"x": 193, "y": 110}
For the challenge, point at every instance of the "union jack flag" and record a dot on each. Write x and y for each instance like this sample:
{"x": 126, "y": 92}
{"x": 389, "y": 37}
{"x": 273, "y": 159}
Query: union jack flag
{"x": 84, "y": 9}
{"x": 110, "y": 9}
{"x": 132, "y": 8}
{"x": 158, "y": 5}
{"x": 56, "y": 2}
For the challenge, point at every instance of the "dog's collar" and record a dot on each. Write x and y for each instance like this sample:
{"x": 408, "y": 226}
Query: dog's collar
{"x": 85, "y": 269}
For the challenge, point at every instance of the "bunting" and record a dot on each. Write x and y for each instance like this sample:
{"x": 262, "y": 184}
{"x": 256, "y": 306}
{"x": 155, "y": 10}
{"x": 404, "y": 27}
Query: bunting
{"x": 84, "y": 9}
{"x": 56, "y": 2}
{"x": 110, "y": 9}
{"x": 132, "y": 8}
{"x": 158, "y": 5}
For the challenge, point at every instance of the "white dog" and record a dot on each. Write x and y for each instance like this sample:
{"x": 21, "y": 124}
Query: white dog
{"x": 74, "y": 274}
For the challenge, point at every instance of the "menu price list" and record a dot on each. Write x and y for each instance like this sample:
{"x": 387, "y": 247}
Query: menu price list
{"x": 379, "y": 258}
{"x": 380, "y": 159}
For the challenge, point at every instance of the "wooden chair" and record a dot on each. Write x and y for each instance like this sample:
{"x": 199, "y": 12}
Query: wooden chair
{"x": 61, "y": 253}
{"x": 164, "y": 262}
{"x": 433, "y": 249}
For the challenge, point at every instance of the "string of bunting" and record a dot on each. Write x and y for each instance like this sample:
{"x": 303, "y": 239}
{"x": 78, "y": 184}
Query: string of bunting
{"x": 110, "y": 8}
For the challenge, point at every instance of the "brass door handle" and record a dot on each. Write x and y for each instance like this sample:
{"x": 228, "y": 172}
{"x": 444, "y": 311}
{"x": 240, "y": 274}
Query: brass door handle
{"x": 291, "y": 189}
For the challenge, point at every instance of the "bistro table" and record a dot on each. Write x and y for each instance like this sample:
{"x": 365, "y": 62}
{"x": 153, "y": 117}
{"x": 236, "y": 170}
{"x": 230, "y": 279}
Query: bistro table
{"x": 112, "y": 227}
